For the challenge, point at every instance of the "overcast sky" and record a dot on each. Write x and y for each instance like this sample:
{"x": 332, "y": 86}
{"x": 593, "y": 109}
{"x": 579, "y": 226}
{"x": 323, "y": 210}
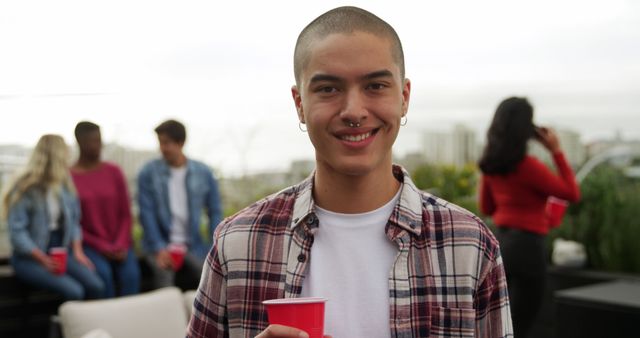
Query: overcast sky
{"x": 225, "y": 69}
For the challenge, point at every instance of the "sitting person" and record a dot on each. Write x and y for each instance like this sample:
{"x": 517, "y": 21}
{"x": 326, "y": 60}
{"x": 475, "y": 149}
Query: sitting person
{"x": 173, "y": 192}
{"x": 106, "y": 214}
{"x": 42, "y": 213}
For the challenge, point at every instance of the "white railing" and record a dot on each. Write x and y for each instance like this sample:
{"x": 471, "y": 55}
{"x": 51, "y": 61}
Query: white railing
{"x": 622, "y": 156}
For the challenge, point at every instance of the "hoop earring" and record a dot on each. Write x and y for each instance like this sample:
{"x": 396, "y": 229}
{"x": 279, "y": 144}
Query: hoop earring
{"x": 403, "y": 123}
{"x": 300, "y": 127}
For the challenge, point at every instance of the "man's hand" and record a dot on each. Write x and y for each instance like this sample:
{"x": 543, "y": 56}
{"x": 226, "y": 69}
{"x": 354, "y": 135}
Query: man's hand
{"x": 281, "y": 331}
{"x": 163, "y": 259}
{"x": 118, "y": 255}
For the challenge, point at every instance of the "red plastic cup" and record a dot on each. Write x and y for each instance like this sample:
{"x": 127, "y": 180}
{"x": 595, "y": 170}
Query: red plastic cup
{"x": 59, "y": 255}
{"x": 306, "y": 314}
{"x": 555, "y": 210}
{"x": 177, "y": 252}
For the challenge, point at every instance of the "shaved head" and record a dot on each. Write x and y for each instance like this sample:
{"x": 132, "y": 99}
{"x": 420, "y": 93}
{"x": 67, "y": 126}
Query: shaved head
{"x": 344, "y": 20}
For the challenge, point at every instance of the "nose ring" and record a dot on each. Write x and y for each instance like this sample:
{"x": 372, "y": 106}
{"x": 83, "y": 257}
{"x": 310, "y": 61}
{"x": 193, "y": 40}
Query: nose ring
{"x": 354, "y": 125}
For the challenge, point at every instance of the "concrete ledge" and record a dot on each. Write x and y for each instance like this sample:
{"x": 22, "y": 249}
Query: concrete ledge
{"x": 610, "y": 309}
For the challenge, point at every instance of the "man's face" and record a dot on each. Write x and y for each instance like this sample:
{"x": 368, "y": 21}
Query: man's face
{"x": 352, "y": 78}
{"x": 170, "y": 149}
{"x": 90, "y": 144}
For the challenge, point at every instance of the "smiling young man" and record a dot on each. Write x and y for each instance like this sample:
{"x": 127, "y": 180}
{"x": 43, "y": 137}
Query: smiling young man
{"x": 392, "y": 260}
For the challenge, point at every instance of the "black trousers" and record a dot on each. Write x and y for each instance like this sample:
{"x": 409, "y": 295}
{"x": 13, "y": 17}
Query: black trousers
{"x": 525, "y": 264}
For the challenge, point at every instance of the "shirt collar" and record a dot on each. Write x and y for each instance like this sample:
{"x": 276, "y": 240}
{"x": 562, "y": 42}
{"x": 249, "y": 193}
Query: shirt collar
{"x": 165, "y": 167}
{"x": 407, "y": 214}
{"x": 304, "y": 203}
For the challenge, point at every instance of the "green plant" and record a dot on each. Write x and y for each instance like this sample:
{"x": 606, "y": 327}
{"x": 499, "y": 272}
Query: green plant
{"x": 606, "y": 220}
{"x": 454, "y": 184}
{"x": 136, "y": 236}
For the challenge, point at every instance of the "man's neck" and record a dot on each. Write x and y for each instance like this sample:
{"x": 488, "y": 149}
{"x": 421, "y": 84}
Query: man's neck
{"x": 86, "y": 164}
{"x": 352, "y": 194}
{"x": 179, "y": 162}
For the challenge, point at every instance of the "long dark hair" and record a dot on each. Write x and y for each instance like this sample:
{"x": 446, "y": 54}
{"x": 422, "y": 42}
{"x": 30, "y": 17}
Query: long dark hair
{"x": 511, "y": 128}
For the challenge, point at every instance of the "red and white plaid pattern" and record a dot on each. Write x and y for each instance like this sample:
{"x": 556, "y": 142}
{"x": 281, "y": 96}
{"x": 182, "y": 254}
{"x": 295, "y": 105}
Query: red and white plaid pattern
{"x": 447, "y": 281}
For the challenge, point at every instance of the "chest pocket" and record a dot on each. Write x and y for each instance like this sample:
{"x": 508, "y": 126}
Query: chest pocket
{"x": 197, "y": 187}
{"x": 452, "y": 322}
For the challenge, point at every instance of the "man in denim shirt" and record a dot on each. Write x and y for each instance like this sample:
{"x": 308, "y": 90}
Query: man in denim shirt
{"x": 172, "y": 193}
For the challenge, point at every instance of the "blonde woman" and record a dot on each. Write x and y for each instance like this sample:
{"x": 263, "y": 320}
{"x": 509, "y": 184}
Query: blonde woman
{"x": 43, "y": 212}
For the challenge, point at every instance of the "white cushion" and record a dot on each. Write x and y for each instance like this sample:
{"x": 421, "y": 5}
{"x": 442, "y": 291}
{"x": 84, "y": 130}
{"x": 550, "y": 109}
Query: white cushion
{"x": 569, "y": 254}
{"x": 97, "y": 333}
{"x": 189, "y": 297}
{"x": 155, "y": 314}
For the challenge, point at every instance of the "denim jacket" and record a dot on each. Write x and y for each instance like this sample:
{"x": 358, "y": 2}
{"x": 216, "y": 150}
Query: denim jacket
{"x": 155, "y": 212}
{"x": 28, "y": 220}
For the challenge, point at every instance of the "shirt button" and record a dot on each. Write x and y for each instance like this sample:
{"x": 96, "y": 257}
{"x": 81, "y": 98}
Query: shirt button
{"x": 311, "y": 219}
{"x": 302, "y": 258}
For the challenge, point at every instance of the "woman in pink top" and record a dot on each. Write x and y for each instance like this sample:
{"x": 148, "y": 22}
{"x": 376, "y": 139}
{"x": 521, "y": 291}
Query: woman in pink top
{"x": 106, "y": 214}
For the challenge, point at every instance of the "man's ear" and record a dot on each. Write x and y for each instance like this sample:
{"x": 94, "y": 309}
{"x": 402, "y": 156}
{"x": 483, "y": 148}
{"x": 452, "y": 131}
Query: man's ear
{"x": 297, "y": 100}
{"x": 406, "y": 95}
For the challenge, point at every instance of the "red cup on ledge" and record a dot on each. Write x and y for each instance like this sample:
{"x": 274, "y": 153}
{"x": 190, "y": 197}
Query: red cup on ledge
{"x": 59, "y": 256}
{"x": 177, "y": 252}
{"x": 555, "y": 210}
{"x": 306, "y": 314}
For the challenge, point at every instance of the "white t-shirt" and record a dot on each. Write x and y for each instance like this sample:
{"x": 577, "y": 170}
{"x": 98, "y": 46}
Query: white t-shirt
{"x": 350, "y": 263}
{"x": 178, "y": 204}
{"x": 53, "y": 206}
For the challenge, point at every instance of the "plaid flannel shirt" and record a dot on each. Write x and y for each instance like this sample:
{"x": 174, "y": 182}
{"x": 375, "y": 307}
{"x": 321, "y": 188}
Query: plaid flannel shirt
{"x": 447, "y": 280}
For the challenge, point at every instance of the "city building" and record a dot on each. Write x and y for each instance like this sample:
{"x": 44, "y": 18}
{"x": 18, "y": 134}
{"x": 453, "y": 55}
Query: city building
{"x": 599, "y": 146}
{"x": 12, "y": 158}
{"x": 455, "y": 147}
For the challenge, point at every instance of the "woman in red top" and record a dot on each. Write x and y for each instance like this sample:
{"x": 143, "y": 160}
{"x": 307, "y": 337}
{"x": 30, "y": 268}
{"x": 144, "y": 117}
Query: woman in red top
{"x": 513, "y": 191}
{"x": 106, "y": 214}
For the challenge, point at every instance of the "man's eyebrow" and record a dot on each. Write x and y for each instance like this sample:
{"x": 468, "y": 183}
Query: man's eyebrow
{"x": 324, "y": 77}
{"x": 333, "y": 78}
{"x": 377, "y": 74}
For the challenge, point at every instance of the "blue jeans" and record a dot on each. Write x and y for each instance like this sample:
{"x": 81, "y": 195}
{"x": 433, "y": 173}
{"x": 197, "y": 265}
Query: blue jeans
{"x": 123, "y": 276}
{"x": 77, "y": 283}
